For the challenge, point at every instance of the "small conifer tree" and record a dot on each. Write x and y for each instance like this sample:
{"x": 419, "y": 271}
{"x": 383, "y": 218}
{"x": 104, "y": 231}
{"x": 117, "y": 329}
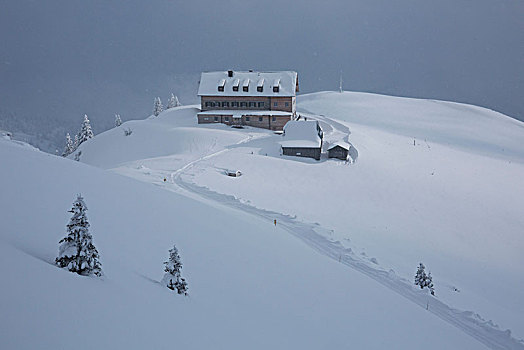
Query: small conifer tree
{"x": 158, "y": 107}
{"x": 172, "y": 278}
{"x": 76, "y": 251}
{"x": 429, "y": 284}
{"x": 173, "y": 102}
{"x": 85, "y": 132}
{"x": 118, "y": 120}
{"x": 420, "y": 276}
{"x": 424, "y": 281}
{"x": 69, "y": 147}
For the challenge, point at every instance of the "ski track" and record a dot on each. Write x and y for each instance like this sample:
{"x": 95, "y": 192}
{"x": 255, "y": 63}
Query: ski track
{"x": 469, "y": 322}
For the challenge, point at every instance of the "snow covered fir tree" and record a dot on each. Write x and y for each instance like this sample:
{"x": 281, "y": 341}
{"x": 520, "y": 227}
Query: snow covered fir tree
{"x": 158, "y": 107}
{"x": 173, "y": 102}
{"x": 77, "y": 252}
{"x": 422, "y": 280}
{"x": 118, "y": 120}
{"x": 85, "y": 132}
{"x": 69, "y": 147}
{"x": 172, "y": 278}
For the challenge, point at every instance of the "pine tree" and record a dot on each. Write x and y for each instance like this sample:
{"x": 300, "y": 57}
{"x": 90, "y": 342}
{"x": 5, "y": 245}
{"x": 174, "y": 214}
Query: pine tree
{"x": 424, "y": 281}
{"x": 172, "y": 278}
{"x": 76, "y": 143}
{"x": 429, "y": 283}
{"x": 420, "y": 276}
{"x": 76, "y": 251}
{"x": 85, "y": 132}
{"x": 69, "y": 147}
{"x": 173, "y": 102}
{"x": 158, "y": 107}
{"x": 118, "y": 120}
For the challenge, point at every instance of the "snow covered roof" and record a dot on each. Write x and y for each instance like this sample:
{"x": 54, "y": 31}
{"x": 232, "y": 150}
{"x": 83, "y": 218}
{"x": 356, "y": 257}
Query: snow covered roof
{"x": 241, "y": 112}
{"x": 287, "y": 81}
{"x": 342, "y": 144}
{"x": 302, "y": 133}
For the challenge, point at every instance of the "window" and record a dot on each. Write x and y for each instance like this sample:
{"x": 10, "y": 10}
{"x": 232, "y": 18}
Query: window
{"x": 248, "y": 119}
{"x": 243, "y": 104}
{"x": 260, "y": 119}
{"x": 207, "y": 104}
{"x": 221, "y": 88}
{"x": 245, "y": 88}
{"x": 274, "y": 119}
{"x": 211, "y": 104}
{"x": 225, "y": 104}
{"x": 275, "y": 104}
{"x": 275, "y": 88}
{"x": 234, "y": 104}
{"x": 261, "y": 104}
{"x": 252, "y": 104}
{"x": 235, "y": 88}
{"x": 206, "y": 118}
{"x": 216, "y": 119}
{"x": 260, "y": 88}
{"x": 226, "y": 119}
{"x": 287, "y": 104}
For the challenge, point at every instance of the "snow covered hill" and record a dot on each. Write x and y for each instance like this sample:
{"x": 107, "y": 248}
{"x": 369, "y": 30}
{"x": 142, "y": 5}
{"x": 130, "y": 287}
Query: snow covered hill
{"x": 252, "y": 284}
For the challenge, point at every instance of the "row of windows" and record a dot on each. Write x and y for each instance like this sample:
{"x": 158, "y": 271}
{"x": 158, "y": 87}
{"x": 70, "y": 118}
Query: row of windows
{"x": 247, "y": 119}
{"x": 240, "y": 104}
{"x": 234, "y": 104}
{"x": 246, "y": 88}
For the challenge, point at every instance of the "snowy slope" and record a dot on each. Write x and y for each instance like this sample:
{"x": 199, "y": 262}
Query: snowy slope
{"x": 253, "y": 285}
{"x": 471, "y": 128}
{"x": 452, "y": 200}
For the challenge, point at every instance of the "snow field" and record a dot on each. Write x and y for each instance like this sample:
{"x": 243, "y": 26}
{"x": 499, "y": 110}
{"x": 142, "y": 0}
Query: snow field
{"x": 451, "y": 201}
{"x": 250, "y": 284}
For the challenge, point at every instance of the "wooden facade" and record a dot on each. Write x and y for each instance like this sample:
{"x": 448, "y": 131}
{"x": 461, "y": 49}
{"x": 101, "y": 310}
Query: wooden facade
{"x": 339, "y": 152}
{"x": 308, "y": 152}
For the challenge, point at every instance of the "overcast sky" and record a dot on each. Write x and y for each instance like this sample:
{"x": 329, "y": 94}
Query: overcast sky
{"x": 61, "y": 59}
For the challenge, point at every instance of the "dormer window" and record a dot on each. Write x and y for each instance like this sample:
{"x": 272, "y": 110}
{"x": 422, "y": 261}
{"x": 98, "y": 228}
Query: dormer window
{"x": 236, "y": 83}
{"x": 260, "y": 85}
{"x": 221, "y": 85}
{"x": 276, "y": 85}
{"x": 245, "y": 86}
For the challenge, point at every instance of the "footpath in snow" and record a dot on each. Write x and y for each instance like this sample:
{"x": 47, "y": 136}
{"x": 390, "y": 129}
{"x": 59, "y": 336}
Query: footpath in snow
{"x": 471, "y": 323}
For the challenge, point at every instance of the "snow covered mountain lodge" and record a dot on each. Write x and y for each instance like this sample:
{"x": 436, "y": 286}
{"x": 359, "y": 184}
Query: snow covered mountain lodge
{"x": 259, "y": 99}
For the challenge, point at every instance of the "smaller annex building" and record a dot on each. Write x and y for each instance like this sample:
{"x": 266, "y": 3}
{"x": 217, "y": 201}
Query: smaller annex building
{"x": 259, "y": 99}
{"x": 339, "y": 150}
{"x": 302, "y": 138}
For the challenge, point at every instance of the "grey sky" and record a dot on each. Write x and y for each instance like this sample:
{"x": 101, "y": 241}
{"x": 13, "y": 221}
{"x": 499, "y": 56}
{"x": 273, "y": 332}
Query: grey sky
{"x": 60, "y": 59}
